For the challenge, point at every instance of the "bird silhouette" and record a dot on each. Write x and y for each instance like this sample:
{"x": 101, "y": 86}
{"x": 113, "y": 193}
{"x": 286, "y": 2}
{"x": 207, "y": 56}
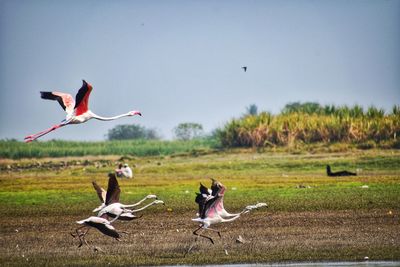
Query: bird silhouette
{"x": 339, "y": 173}
{"x": 244, "y": 68}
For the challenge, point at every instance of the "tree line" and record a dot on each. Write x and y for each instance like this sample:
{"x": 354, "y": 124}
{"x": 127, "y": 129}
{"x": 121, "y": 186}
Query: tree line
{"x": 297, "y": 122}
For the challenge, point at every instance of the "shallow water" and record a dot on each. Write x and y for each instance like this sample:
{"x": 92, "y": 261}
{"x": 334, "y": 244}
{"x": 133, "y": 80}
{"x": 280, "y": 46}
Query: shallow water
{"x": 322, "y": 264}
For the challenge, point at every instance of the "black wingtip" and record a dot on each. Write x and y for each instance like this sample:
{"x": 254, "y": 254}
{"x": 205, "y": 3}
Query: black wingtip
{"x": 46, "y": 95}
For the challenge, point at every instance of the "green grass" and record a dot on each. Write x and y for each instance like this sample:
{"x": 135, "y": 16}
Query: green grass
{"x": 269, "y": 177}
{"x": 310, "y": 216}
{"x": 57, "y": 148}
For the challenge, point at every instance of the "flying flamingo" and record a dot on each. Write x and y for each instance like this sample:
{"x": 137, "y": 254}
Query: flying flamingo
{"x": 77, "y": 110}
{"x": 100, "y": 223}
{"x": 219, "y": 189}
{"x": 102, "y": 194}
{"x": 211, "y": 209}
{"x": 111, "y": 205}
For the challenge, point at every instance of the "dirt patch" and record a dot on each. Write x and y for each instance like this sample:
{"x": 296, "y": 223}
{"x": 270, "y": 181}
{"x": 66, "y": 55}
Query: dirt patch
{"x": 164, "y": 238}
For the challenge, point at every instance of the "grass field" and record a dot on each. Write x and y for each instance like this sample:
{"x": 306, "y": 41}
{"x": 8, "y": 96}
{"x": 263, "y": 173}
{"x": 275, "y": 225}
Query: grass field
{"x": 310, "y": 216}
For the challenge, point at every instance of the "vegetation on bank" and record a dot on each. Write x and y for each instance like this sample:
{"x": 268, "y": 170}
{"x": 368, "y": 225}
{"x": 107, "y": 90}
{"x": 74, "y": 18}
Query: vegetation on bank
{"x": 312, "y": 123}
{"x": 299, "y": 127}
{"x": 56, "y": 148}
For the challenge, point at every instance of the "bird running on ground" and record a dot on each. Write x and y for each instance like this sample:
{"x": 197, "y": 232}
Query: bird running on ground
{"x": 110, "y": 201}
{"x": 100, "y": 223}
{"x": 212, "y": 211}
{"x": 77, "y": 110}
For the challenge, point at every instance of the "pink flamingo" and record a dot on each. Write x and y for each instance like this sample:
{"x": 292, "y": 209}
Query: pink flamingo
{"x": 77, "y": 110}
{"x": 212, "y": 211}
{"x": 111, "y": 205}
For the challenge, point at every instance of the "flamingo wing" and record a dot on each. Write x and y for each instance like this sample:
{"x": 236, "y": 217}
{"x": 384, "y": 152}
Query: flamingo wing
{"x": 105, "y": 228}
{"x": 113, "y": 190}
{"x": 65, "y": 100}
{"x": 210, "y": 207}
{"x": 101, "y": 193}
{"x": 203, "y": 189}
{"x": 104, "y": 216}
{"x": 82, "y": 98}
{"x": 206, "y": 205}
{"x": 215, "y": 187}
{"x": 200, "y": 200}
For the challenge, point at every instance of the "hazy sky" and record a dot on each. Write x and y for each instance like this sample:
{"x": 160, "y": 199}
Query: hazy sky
{"x": 180, "y": 61}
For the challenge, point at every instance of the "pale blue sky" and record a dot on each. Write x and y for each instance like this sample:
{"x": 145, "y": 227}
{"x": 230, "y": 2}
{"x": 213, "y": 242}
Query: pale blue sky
{"x": 180, "y": 61}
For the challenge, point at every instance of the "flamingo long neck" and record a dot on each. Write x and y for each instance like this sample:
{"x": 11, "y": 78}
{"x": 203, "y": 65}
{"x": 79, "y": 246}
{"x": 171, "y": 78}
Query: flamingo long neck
{"x": 136, "y": 204}
{"x": 224, "y": 213}
{"x": 97, "y": 117}
{"x": 230, "y": 219}
{"x": 142, "y": 208}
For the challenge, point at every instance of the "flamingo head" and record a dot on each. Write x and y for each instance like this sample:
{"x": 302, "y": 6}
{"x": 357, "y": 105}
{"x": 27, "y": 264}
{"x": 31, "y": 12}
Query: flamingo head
{"x": 134, "y": 112}
{"x": 159, "y": 202}
{"x": 151, "y": 196}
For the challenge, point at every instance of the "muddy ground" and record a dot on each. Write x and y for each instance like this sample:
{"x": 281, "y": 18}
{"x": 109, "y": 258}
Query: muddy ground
{"x": 163, "y": 238}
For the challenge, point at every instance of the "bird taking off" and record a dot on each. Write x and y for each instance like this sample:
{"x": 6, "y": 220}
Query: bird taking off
{"x": 77, "y": 110}
{"x": 212, "y": 211}
{"x": 111, "y": 206}
{"x": 244, "y": 68}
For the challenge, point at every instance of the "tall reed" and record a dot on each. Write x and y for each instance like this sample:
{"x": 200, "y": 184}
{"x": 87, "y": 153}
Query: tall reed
{"x": 327, "y": 124}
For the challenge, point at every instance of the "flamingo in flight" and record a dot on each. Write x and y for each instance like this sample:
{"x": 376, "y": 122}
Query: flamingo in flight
{"x": 77, "y": 110}
{"x": 212, "y": 211}
{"x": 109, "y": 208}
{"x": 111, "y": 205}
{"x": 100, "y": 223}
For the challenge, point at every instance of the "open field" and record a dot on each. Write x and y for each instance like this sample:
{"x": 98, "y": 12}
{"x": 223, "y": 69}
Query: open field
{"x": 310, "y": 216}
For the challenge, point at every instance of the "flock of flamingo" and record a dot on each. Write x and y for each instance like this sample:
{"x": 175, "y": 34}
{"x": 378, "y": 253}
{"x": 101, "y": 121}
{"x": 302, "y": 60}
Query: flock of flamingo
{"x": 210, "y": 201}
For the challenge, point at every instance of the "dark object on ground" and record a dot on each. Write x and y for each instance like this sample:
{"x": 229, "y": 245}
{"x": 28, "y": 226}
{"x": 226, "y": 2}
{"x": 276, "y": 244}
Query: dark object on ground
{"x": 340, "y": 173}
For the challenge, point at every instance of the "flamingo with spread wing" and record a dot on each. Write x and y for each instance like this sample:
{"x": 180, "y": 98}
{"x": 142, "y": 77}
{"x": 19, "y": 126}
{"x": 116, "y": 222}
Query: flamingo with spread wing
{"x": 77, "y": 110}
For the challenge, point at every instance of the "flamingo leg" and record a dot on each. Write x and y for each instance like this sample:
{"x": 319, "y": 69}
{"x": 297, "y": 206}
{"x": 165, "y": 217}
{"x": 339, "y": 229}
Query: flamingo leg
{"x": 195, "y": 232}
{"x": 33, "y": 137}
{"x": 204, "y": 236}
{"x": 83, "y": 237}
{"x": 195, "y": 240}
{"x": 79, "y": 234}
{"x": 219, "y": 233}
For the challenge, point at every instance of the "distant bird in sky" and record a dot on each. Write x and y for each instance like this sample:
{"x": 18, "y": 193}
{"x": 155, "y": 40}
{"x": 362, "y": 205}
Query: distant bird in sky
{"x": 211, "y": 209}
{"x": 110, "y": 201}
{"x": 77, "y": 110}
{"x": 244, "y": 68}
{"x": 339, "y": 173}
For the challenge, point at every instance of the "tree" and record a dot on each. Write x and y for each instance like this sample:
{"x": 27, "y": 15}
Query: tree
{"x": 307, "y": 107}
{"x": 188, "y": 130}
{"x": 252, "y": 110}
{"x": 131, "y": 131}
